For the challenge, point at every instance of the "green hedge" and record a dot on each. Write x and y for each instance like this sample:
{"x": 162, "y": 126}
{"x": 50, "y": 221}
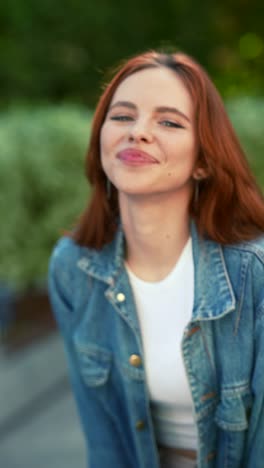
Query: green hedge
{"x": 42, "y": 186}
{"x": 42, "y": 183}
{"x": 247, "y": 116}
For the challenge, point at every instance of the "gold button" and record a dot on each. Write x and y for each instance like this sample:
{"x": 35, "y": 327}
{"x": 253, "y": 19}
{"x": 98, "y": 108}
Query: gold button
{"x": 135, "y": 360}
{"x": 140, "y": 425}
{"x": 120, "y": 297}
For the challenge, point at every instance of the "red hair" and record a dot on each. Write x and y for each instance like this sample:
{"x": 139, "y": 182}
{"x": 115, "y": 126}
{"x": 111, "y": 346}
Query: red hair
{"x": 230, "y": 206}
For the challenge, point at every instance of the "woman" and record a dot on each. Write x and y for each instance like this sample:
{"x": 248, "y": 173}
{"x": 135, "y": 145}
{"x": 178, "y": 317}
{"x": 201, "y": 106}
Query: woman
{"x": 159, "y": 290}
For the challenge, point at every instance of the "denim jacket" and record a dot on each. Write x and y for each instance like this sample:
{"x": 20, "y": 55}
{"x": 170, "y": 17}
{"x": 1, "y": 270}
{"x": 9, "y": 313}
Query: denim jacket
{"x": 222, "y": 348}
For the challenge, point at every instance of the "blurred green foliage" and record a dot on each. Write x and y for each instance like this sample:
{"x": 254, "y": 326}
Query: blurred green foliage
{"x": 42, "y": 185}
{"x": 247, "y": 115}
{"x": 60, "y": 50}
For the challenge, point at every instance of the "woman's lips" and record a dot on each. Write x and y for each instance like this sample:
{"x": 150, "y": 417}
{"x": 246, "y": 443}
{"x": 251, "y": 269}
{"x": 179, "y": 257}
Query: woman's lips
{"x": 136, "y": 157}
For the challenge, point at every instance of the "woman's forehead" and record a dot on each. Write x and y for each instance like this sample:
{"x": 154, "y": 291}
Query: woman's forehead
{"x": 154, "y": 87}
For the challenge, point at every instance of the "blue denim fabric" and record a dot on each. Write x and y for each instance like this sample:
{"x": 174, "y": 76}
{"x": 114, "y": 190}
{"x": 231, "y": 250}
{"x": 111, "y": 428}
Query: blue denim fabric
{"x": 222, "y": 346}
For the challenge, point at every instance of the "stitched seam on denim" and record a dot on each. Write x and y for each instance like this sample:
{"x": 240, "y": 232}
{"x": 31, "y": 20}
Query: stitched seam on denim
{"x": 240, "y": 389}
{"x": 94, "y": 381}
{"x": 132, "y": 373}
{"x": 260, "y": 311}
{"x": 96, "y": 353}
{"x": 212, "y": 362}
{"x": 94, "y": 366}
{"x": 244, "y": 271}
{"x": 209, "y": 408}
{"x": 227, "y": 426}
{"x": 227, "y": 278}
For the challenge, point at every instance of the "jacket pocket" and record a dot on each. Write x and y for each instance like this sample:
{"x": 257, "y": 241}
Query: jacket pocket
{"x": 231, "y": 418}
{"x": 94, "y": 363}
{"x": 233, "y": 409}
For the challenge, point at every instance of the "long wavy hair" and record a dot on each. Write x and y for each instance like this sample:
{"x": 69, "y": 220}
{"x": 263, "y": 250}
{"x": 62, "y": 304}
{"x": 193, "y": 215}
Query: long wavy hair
{"x": 230, "y": 206}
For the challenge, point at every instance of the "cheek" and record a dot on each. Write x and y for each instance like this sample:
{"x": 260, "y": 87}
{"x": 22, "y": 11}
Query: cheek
{"x": 107, "y": 148}
{"x": 109, "y": 138}
{"x": 183, "y": 151}
{"x": 103, "y": 140}
{"x": 190, "y": 150}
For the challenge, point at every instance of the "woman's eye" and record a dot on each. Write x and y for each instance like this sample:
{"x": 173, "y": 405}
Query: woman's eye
{"x": 169, "y": 123}
{"x": 121, "y": 118}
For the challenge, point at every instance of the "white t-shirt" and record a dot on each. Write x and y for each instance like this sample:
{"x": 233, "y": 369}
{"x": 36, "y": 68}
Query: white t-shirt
{"x": 164, "y": 309}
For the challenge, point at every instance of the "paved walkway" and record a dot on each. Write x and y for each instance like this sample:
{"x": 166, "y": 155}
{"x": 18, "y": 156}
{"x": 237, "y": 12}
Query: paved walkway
{"x": 39, "y": 426}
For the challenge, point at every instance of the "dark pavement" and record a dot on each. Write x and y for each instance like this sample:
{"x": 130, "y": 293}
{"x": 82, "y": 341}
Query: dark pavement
{"x": 39, "y": 426}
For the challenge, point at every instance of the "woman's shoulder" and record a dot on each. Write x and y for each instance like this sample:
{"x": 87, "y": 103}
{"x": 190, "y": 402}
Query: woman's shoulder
{"x": 65, "y": 283}
{"x": 66, "y": 259}
{"x": 247, "y": 257}
{"x": 67, "y": 252}
{"x": 65, "y": 246}
{"x": 64, "y": 274}
{"x": 245, "y": 265}
{"x": 254, "y": 248}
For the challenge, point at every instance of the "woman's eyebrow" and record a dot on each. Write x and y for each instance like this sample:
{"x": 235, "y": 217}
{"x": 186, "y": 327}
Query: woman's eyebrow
{"x": 128, "y": 104}
{"x": 174, "y": 110}
{"x": 159, "y": 109}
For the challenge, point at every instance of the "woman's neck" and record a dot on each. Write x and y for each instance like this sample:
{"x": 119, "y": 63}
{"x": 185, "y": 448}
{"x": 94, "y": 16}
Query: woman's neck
{"x": 156, "y": 233}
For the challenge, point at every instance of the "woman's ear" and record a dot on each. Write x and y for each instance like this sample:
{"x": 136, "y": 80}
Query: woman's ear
{"x": 200, "y": 173}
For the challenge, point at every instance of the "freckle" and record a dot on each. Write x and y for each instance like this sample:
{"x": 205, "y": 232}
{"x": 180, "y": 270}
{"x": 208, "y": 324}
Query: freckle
{"x": 167, "y": 236}
{"x": 169, "y": 174}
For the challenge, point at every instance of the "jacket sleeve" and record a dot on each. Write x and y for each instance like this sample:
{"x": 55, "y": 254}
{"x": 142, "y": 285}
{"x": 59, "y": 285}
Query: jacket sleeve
{"x": 104, "y": 441}
{"x": 255, "y": 439}
{"x": 60, "y": 284}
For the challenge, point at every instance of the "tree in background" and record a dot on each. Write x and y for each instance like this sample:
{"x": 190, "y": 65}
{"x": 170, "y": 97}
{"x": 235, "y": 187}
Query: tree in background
{"x": 60, "y": 50}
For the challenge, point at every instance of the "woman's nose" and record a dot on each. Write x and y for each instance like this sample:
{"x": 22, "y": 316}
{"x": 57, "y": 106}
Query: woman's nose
{"x": 140, "y": 132}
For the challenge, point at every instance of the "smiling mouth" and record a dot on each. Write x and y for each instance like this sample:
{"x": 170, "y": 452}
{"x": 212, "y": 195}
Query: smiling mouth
{"x": 136, "y": 157}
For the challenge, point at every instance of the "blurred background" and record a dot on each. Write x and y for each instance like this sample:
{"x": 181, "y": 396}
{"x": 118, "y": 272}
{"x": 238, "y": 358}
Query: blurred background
{"x": 55, "y": 59}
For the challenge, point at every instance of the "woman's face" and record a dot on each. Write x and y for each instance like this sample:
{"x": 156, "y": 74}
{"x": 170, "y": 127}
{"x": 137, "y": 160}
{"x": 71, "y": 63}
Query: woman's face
{"x": 148, "y": 143}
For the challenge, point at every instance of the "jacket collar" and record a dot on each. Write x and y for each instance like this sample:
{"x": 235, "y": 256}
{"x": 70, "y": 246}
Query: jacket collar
{"x": 104, "y": 264}
{"x": 213, "y": 293}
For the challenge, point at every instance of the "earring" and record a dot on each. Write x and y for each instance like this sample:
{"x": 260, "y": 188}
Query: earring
{"x": 108, "y": 189}
{"x": 198, "y": 176}
{"x": 196, "y": 192}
